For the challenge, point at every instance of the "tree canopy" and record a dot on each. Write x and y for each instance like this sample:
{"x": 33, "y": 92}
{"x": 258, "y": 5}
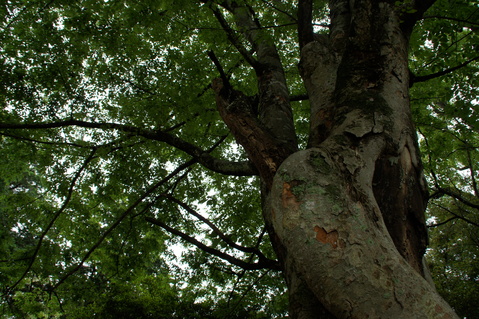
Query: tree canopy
{"x": 122, "y": 191}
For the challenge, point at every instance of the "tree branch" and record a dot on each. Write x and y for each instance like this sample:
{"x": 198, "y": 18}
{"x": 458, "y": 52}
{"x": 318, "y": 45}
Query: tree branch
{"x": 237, "y": 262}
{"x": 457, "y": 215}
{"x": 451, "y": 19}
{"x": 280, "y": 10}
{"x": 127, "y": 212}
{"x": 233, "y": 38}
{"x": 204, "y": 158}
{"x": 243, "y": 295}
{"x": 305, "y": 22}
{"x": 442, "y": 223}
{"x": 217, "y": 231}
{"x": 299, "y": 97}
{"x": 423, "y": 78}
{"x": 455, "y": 195}
{"x": 266, "y": 152}
{"x": 340, "y": 15}
{"x": 473, "y": 173}
{"x": 413, "y": 14}
{"x": 219, "y": 67}
{"x": 273, "y": 90}
{"x": 21, "y": 138}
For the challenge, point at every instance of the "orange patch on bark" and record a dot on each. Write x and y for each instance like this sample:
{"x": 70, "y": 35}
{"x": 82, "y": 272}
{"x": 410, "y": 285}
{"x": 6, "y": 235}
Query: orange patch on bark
{"x": 326, "y": 238}
{"x": 441, "y": 311}
{"x": 287, "y": 197}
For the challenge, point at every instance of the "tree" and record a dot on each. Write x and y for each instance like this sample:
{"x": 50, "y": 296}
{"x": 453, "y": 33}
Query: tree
{"x": 120, "y": 119}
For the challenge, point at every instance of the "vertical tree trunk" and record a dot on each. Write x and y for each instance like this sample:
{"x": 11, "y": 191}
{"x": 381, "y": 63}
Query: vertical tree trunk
{"x": 345, "y": 216}
{"x": 350, "y": 210}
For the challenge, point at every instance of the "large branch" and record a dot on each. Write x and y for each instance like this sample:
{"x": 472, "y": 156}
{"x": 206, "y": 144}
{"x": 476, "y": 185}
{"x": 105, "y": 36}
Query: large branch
{"x": 413, "y": 13}
{"x": 274, "y": 108}
{"x": 264, "y": 127}
{"x": 203, "y": 157}
{"x": 305, "y": 22}
{"x": 264, "y": 150}
{"x": 341, "y": 18}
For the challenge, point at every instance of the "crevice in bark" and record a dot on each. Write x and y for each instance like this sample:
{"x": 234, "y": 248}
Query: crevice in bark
{"x": 402, "y": 201}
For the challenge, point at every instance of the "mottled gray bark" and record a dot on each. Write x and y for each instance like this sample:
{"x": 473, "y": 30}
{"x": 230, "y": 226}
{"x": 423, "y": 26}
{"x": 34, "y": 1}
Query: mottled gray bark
{"x": 346, "y": 215}
{"x": 349, "y": 211}
{"x": 325, "y": 214}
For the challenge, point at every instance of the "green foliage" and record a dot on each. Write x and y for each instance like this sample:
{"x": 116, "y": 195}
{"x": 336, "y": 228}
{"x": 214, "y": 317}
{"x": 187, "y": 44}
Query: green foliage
{"x": 73, "y": 200}
{"x": 445, "y": 110}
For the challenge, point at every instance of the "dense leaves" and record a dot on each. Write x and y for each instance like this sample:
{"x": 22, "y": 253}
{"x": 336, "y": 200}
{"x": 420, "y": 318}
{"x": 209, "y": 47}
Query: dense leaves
{"x": 128, "y": 84}
{"x": 446, "y": 115}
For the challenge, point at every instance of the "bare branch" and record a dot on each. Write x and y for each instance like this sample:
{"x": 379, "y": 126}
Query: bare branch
{"x": 452, "y": 19}
{"x": 456, "y": 195}
{"x": 243, "y": 295}
{"x": 442, "y": 223}
{"x": 219, "y": 67}
{"x": 467, "y": 220}
{"x": 280, "y": 10}
{"x": 473, "y": 173}
{"x": 233, "y": 38}
{"x": 299, "y": 97}
{"x": 127, "y": 212}
{"x": 22, "y": 138}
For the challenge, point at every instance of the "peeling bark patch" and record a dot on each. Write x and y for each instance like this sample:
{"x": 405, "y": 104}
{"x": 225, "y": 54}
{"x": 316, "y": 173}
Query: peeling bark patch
{"x": 287, "y": 196}
{"x": 326, "y": 238}
{"x": 440, "y": 311}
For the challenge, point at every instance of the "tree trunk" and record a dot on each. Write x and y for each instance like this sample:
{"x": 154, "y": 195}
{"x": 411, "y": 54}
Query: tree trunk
{"x": 346, "y": 215}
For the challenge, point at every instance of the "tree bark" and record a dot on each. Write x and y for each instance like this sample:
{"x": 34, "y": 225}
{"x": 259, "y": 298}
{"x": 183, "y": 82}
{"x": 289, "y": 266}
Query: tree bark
{"x": 346, "y": 215}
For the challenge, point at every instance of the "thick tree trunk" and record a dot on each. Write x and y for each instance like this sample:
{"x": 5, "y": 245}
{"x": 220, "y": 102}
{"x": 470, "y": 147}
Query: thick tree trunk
{"x": 345, "y": 216}
{"x": 350, "y": 210}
